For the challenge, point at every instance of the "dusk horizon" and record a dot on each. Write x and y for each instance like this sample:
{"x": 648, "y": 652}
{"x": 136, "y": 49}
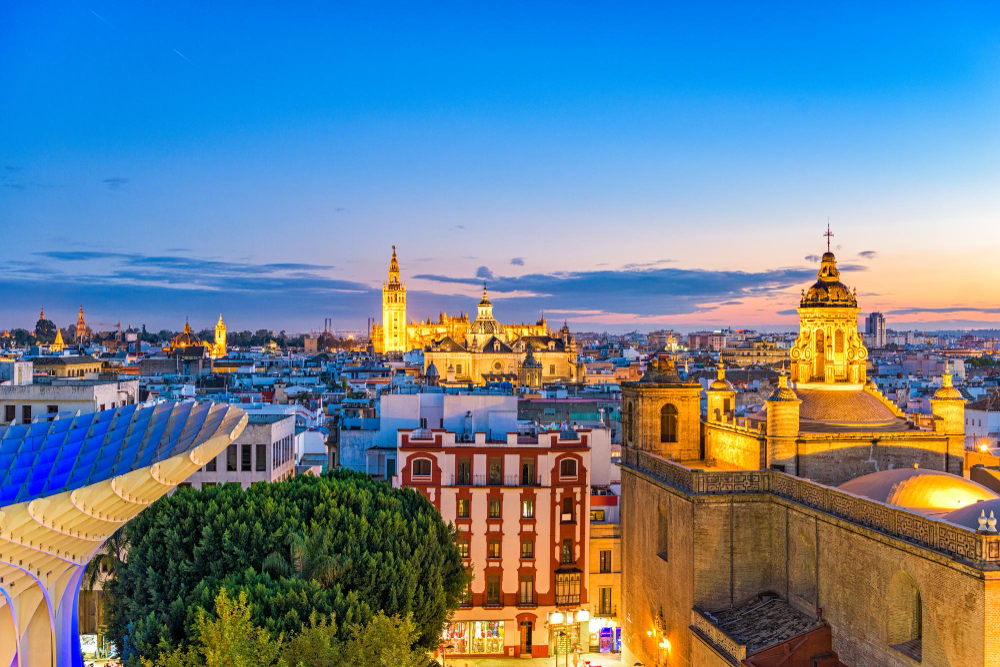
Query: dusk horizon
{"x": 614, "y": 169}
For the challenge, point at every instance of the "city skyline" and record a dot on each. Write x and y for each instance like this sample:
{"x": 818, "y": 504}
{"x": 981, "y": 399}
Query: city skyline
{"x": 616, "y": 170}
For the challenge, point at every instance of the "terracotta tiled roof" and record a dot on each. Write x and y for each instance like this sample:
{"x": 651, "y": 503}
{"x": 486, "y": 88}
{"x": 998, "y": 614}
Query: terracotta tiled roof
{"x": 991, "y": 403}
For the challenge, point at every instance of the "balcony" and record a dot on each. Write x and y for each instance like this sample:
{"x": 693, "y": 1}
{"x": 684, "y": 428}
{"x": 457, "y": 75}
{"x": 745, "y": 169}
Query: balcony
{"x": 567, "y": 599}
{"x": 526, "y": 600}
{"x": 496, "y": 480}
{"x": 493, "y": 604}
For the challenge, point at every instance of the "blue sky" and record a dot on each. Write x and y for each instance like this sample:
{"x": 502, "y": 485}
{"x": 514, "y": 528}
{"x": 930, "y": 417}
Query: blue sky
{"x": 617, "y": 166}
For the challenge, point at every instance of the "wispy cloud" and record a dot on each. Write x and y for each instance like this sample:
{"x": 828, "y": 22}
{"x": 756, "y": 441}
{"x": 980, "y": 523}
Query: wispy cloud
{"x": 947, "y": 310}
{"x": 647, "y": 265}
{"x": 484, "y": 273}
{"x": 183, "y": 56}
{"x": 115, "y": 182}
{"x": 517, "y": 261}
{"x": 639, "y": 292}
{"x": 813, "y": 259}
{"x": 868, "y": 254}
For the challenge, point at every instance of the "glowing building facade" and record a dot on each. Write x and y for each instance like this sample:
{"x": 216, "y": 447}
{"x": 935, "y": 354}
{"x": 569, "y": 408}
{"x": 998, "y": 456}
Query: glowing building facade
{"x": 67, "y": 485}
{"x": 826, "y": 529}
{"x": 395, "y": 334}
{"x": 188, "y": 343}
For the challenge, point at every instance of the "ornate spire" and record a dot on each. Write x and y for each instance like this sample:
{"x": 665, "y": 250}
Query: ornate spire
{"x": 394, "y": 265}
{"x": 41, "y": 315}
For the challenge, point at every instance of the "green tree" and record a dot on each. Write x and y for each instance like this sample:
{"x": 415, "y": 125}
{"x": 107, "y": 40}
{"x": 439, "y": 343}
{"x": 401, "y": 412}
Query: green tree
{"x": 228, "y": 639}
{"x": 339, "y": 545}
{"x": 45, "y": 331}
{"x": 316, "y": 645}
{"x": 387, "y": 641}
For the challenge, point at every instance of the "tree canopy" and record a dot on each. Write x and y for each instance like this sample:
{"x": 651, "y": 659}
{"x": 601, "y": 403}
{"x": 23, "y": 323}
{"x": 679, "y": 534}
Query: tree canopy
{"x": 340, "y": 545}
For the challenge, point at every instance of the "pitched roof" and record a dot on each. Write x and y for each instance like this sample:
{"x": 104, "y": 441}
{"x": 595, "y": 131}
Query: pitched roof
{"x": 989, "y": 403}
{"x": 447, "y": 344}
{"x": 496, "y": 345}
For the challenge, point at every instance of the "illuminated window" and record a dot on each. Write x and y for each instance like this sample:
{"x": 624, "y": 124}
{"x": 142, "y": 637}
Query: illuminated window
{"x": 493, "y": 549}
{"x": 567, "y": 551}
{"x": 567, "y": 588}
{"x": 494, "y": 508}
{"x": 527, "y": 548}
{"x": 528, "y": 508}
{"x": 463, "y": 508}
{"x": 463, "y": 548}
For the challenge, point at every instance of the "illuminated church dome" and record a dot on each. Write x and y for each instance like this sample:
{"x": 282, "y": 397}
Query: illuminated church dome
{"x": 828, "y": 291}
{"x": 185, "y": 339}
{"x": 485, "y": 325}
{"x": 925, "y": 491}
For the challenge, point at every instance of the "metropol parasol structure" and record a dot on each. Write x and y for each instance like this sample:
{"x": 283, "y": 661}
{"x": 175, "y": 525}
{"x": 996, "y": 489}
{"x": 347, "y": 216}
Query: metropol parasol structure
{"x": 65, "y": 486}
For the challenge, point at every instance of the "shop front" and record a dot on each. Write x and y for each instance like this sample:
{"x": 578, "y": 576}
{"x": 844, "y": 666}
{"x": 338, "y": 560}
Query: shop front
{"x": 605, "y": 635}
{"x": 474, "y": 637}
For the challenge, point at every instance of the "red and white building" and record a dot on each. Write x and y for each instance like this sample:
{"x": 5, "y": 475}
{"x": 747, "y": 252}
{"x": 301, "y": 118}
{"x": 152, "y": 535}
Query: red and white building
{"x": 522, "y": 508}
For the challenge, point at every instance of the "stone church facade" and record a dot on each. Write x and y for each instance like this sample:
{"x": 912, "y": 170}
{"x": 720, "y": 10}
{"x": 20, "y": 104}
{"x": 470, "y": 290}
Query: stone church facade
{"x": 740, "y": 548}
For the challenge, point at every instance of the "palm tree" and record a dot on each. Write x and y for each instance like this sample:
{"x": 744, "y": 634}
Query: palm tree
{"x": 105, "y": 564}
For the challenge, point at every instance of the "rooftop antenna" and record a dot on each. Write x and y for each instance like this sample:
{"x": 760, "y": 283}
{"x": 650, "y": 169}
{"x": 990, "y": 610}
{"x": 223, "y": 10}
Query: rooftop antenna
{"x": 828, "y": 234}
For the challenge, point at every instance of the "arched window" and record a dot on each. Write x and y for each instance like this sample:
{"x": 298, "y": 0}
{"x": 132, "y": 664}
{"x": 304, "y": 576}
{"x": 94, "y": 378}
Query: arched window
{"x": 567, "y": 469}
{"x": 567, "y": 509}
{"x": 422, "y": 468}
{"x": 668, "y": 423}
{"x": 820, "y": 342}
{"x": 905, "y": 617}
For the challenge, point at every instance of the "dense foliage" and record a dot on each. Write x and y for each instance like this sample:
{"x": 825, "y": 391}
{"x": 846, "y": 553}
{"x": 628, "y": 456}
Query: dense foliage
{"x": 341, "y": 545}
{"x": 229, "y": 638}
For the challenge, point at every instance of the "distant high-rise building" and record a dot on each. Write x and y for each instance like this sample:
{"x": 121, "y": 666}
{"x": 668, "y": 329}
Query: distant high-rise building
{"x": 875, "y": 328}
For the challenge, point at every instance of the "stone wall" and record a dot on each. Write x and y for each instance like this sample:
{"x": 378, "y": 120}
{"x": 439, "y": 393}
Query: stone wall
{"x": 734, "y": 445}
{"x": 834, "y": 459}
{"x": 732, "y": 535}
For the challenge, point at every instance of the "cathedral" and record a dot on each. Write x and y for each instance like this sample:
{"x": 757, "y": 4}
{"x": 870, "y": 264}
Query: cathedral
{"x": 827, "y": 529}
{"x": 476, "y": 352}
{"x": 395, "y": 335}
{"x": 188, "y": 344}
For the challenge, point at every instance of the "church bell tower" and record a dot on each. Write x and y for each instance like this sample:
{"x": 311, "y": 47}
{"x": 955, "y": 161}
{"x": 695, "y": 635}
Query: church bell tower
{"x": 393, "y": 310}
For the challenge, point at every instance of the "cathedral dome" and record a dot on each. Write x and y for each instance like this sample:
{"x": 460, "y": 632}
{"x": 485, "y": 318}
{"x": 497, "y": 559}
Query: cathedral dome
{"x": 836, "y": 409}
{"x": 185, "y": 339}
{"x": 926, "y": 491}
{"x": 484, "y": 327}
{"x": 828, "y": 291}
